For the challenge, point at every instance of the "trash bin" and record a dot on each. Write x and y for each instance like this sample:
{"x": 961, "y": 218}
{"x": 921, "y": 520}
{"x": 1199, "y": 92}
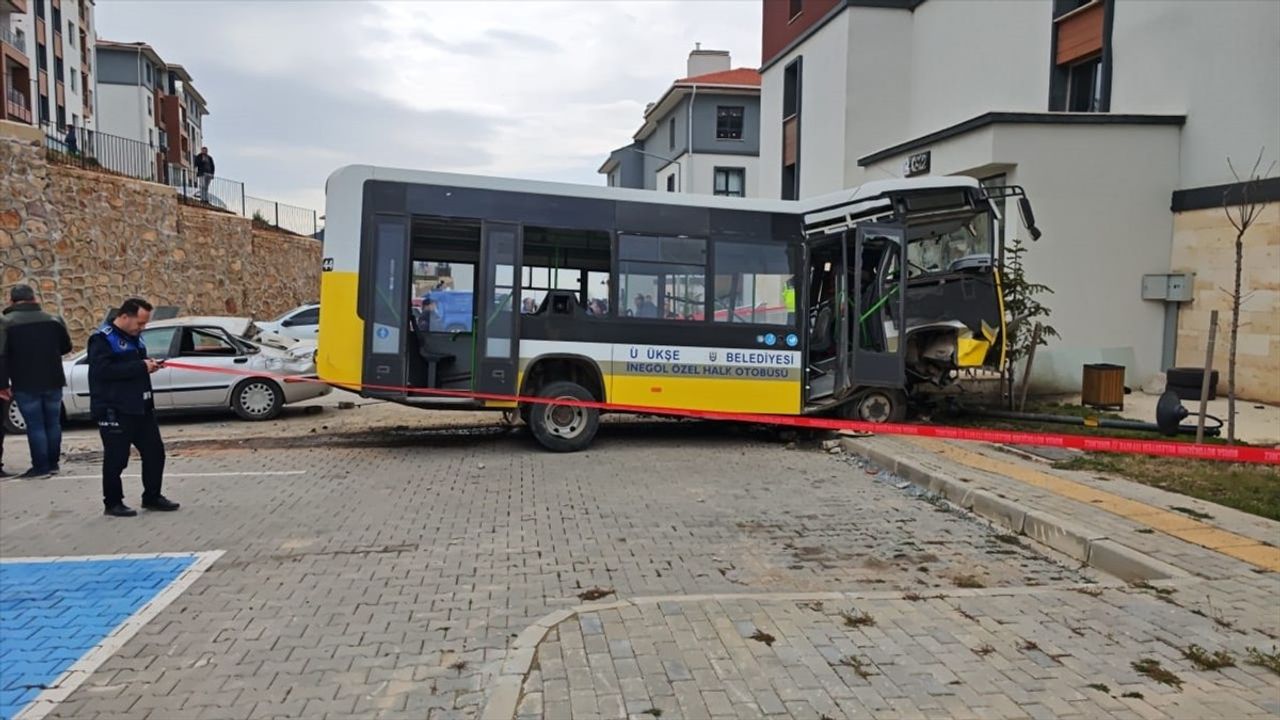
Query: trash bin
{"x": 1103, "y": 386}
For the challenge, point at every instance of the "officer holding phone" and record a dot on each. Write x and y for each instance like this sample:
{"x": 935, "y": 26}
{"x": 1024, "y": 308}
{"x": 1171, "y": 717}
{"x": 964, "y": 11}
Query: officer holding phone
{"x": 120, "y": 401}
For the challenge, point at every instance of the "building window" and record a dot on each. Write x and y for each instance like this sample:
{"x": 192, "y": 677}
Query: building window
{"x": 40, "y": 8}
{"x": 729, "y": 122}
{"x": 613, "y": 179}
{"x": 731, "y": 182}
{"x": 147, "y": 69}
{"x": 1062, "y": 7}
{"x": 62, "y": 116}
{"x": 1084, "y": 86}
{"x": 44, "y": 109}
{"x": 753, "y": 284}
{"x": 147, "y": 102}
{"x": 791, "y": 104}
{"x": 71, "y": 34}
{"x": 74, "y": 82}
{"x": 671, "y": 183}
{"x": 671, "y": 134}
{"x": 662, "y": 277}
{"x": 42, "y": 60}
{"x": 59, "y": 69}
{"x": 796, "y": 7}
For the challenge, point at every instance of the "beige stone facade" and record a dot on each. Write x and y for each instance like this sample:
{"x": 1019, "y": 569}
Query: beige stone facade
{"x": 1203, "y": 243}
{"x": 87, "y": 240}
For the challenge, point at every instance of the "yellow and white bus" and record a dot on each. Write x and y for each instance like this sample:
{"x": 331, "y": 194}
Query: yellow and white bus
{"x": 841, "y": 304}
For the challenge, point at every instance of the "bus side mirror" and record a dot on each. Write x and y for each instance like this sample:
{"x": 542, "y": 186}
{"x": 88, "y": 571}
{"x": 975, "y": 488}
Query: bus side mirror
{"x": 1028, "y": 217}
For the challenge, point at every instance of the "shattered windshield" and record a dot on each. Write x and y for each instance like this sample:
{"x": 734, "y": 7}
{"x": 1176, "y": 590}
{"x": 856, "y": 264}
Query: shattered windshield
{"x": 941, "y": 246}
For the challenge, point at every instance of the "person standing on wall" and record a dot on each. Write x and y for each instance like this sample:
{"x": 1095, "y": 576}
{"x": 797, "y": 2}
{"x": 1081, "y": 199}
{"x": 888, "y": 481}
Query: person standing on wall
{"x": 32, "y": 343}
{"x": 121, "y": 403}
{"x": 204, "y": 172}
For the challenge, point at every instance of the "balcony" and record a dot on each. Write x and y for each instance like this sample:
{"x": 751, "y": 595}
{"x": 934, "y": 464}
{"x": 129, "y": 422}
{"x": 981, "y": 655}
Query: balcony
{"x": 17, "y": 107}
{"x": 13, "y": 38}
{"x": 19, "y": 7}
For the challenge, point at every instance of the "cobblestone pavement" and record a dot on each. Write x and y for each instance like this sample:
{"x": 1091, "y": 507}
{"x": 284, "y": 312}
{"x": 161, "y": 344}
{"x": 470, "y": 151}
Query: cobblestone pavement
{"x": 1002, "y": 653}
{"x": 386, "y": 575}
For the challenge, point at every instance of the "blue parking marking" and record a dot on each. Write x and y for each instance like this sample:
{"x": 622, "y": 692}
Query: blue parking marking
{"x": 52, "y": 612}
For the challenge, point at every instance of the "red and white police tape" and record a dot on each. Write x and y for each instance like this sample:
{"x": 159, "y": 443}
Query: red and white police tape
{"x": 1091, "y": 443}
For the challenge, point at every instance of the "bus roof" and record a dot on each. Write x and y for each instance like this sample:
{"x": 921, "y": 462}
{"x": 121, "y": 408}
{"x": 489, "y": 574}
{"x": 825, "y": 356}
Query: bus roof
{"x": 353, "y": 176}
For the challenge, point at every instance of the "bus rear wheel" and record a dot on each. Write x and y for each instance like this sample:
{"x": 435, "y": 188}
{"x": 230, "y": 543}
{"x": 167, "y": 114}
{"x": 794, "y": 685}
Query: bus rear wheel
{"x": 877, "y": 405}
{"x": 563, "y": 428}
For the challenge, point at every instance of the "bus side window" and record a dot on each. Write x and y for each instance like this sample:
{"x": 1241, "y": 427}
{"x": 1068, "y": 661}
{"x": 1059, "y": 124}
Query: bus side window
{"x": 754, "y": 284}
{"x": 662, "y": 277}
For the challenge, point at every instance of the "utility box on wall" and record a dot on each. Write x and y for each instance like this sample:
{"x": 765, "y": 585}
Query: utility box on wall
{"x": 1170, "y": 287}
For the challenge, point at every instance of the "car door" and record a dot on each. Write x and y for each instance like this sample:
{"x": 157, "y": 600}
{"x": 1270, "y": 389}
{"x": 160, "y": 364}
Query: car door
{"x": 161, "y": 343}
{"x": 205, "y": 347}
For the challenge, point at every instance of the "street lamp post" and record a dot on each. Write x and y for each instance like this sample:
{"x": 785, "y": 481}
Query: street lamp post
{"x": 679, "y": 169}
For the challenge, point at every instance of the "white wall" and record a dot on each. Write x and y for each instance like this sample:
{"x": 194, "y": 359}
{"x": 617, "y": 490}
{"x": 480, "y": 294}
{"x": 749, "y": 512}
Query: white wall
{"x": 876, "y": 89}
{"x": 1101, "y": 196}
{"x": 968, "y": 58}
{"x": 771, "y": 131}
{"x": 1217, "y": 61}
{"x": 704, "y": 172}
{"x": 122, "y": 111}
{"x": 822, "y": 113}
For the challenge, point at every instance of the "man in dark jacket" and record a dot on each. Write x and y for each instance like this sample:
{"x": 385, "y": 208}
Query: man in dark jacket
{"x": 120, "y": 401}
{"x": 32, "y": 343}
{"x": 204, "y": 172}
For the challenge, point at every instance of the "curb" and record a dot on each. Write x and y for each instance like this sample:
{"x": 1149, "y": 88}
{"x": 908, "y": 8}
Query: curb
{"x": 1088, "y": 545}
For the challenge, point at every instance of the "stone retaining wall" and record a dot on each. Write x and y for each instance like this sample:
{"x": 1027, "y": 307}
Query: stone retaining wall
{"x": 87, "y": 240}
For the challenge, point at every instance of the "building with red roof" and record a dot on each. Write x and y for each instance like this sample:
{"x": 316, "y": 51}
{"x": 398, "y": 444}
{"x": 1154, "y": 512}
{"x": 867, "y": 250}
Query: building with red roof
{"x": 702, "y": 135}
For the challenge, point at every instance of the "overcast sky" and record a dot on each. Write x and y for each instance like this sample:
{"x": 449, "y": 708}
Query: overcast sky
{"x": 525, "y": 88}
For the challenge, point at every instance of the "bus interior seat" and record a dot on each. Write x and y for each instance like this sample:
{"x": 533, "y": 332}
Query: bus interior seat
{"x": 429, "y": 354}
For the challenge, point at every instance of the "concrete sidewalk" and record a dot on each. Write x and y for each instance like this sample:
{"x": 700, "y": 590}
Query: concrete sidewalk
{"x": 1135, "y": 531}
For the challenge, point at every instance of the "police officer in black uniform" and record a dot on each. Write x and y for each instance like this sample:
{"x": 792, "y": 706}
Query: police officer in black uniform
{"x": 121, "y": 403}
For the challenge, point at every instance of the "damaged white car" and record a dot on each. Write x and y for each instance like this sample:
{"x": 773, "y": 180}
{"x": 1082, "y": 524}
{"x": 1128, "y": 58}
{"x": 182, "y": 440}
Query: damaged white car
{"x": 215, "y": 343}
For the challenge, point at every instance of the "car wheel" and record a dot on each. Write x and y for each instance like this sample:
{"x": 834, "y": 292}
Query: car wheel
{"x": 13, "y": 422}
{"x": 877, "y": 405}
{"x": 563, "y": 428}
{"x": 257, "y": 399}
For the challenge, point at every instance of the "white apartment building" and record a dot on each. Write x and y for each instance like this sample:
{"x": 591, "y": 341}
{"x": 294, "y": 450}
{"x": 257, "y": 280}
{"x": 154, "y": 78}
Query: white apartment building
{"x": 1117, "y": 116}
{"x": 701, "y": 136}
{"x": 59, "y": 40}
{"x": 145, "y": 99}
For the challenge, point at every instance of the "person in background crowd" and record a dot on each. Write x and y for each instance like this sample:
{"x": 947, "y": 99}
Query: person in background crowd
{"x": 204, "y": 172}
{"x": 32, "y": 343}
{"x": 528, "y": 306}
{"x": 120, "y": 401}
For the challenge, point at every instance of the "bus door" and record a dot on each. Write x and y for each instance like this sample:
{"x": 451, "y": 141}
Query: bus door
{"x": 497, "y": 309}
{"x": 827, "y": 323}
{"x": 879, "y": 306}
{"x": 386, "y": 307}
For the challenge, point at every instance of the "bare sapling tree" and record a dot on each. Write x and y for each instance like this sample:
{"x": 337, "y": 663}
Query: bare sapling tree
{"x": 1243, "y": 205}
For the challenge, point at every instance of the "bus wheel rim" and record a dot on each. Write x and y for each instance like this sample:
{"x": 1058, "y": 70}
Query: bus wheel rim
{"x": 876, "y": 407}
{"x": 566, "y": 421}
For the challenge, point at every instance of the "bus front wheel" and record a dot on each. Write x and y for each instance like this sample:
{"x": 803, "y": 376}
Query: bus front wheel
{"x": 563, "y": 428}
{"x": 877, "y": 405}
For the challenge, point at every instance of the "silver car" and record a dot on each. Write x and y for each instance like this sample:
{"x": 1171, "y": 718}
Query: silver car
{"x": 215, "y": 343}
